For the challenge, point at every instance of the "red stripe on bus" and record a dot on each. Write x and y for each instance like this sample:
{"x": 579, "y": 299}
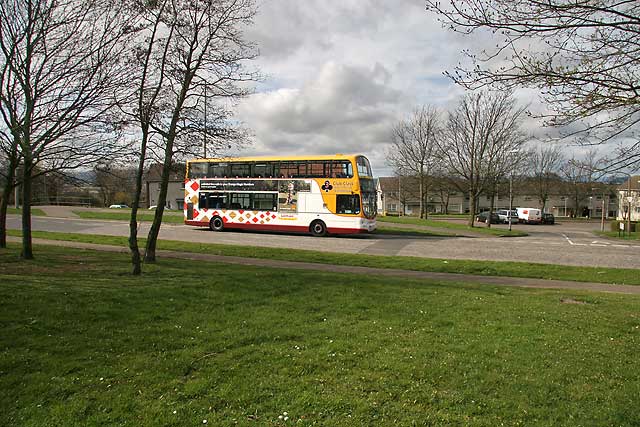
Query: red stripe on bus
{"x": 282, "y": 228}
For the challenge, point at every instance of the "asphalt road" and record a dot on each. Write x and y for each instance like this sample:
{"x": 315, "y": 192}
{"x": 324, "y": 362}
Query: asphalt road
{"x": 568, "y": 244}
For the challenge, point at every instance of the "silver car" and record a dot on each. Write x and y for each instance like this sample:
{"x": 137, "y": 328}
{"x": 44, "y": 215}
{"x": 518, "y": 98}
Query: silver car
{"x": 506, "y": 216}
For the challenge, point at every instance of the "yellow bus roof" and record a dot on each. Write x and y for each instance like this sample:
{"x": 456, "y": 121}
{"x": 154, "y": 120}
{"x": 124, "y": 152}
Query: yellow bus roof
{"x": 278, "y": 158}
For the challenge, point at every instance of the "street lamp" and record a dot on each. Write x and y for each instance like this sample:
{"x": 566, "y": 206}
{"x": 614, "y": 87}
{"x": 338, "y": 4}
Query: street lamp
{"x": 204, "y": 142}
{"x": 510, "y": 199}
{"x": 510, "y": 191}
{"x": 603, "y": 208}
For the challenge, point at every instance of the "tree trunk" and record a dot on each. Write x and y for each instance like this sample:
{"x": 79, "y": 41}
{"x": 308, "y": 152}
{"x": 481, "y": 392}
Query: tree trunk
{"x": 150, "y": 251}
{"x": 154, "y": 231}
{"x": 421, "y": 197}
{"x": 27, "y": 248}
{"x": 6, "y": 193}
{"x": 491, "y": 208}
{"x": 136, "y": 261}
{"x": 446, "y": 204}
{"x": 426, "y": 202}
{"x": 472, "y": 208}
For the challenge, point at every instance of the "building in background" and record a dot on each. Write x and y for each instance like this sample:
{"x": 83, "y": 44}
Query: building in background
{"x": 175, "y": 190}
{"x": 400, "y": 196}
{"x": 629, "y": 198}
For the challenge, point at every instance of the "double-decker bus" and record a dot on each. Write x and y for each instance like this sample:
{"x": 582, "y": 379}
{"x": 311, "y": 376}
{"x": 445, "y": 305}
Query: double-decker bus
{"x": 315, "y": 194}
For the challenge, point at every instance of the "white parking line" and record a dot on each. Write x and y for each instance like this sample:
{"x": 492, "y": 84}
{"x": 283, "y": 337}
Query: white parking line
{"x": 568, "y": 239}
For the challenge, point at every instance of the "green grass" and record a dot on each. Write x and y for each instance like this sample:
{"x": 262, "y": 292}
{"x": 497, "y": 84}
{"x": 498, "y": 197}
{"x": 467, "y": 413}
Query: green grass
{"x": 83, "y": 343}
{"x": 481, "y": 229}
{"x": 125, "y": 215}
{"x": 34, "y": 212}
{"x": 614, "y": 235}
{"x": 486, "y": 268}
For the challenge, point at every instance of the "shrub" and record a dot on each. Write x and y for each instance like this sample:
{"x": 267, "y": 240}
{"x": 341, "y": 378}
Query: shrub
{"x": 615, "y": 226}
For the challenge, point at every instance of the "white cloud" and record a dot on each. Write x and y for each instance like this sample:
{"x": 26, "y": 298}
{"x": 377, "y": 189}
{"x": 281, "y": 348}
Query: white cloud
{"x": 342, "y": 109}
{"x": 340, "y": 74}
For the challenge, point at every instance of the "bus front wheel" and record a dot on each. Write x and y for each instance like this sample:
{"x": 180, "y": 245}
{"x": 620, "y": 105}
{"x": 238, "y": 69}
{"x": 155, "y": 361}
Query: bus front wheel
{"x": 318, "y": 228}
{"x": 216, "y": 224}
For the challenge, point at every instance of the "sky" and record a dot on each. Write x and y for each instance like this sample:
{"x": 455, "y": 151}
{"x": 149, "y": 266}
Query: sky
{"x": 339, "y": 75}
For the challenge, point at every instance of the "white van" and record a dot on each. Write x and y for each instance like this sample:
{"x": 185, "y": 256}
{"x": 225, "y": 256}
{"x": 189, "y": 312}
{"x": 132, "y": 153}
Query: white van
{"x": 529, "y": 215}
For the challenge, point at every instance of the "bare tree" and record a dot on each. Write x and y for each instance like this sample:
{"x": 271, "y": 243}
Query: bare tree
{"x": 445, "y": 187}
{"x": 545, "y": 162}
{"x": 583, "y": 56}
{"x": 479, "y": 137}
{"x": 60, "y": 72}
{"x": 414, "y": 149}
{"x": 189, "y": 63}
{"x": 114, "y": 183}
{"x": 579, "y": 172}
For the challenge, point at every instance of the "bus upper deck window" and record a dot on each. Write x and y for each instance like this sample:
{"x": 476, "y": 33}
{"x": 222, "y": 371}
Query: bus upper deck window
{"x": 197, "y": 170}
{"x": 218, "y": 170}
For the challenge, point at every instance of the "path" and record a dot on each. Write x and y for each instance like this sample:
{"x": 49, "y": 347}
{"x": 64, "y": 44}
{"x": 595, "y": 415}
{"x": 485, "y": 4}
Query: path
{"x": 422, "y": 275}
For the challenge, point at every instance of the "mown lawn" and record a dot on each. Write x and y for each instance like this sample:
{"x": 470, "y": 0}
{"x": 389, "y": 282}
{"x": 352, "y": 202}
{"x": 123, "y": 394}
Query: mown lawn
{"x": 125, "y": 215}
{"x": 485, "y": 268}
{"x": 34, "y": 211}
{"x": 86, "y": 344}
{"x": 615, "y": 235}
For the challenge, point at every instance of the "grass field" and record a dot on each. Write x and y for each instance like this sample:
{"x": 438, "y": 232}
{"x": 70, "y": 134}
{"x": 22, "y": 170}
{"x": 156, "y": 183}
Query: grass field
{"x": 615, "y": 235}
{"x": 125, "y": 215}
{"x": 485, "y": 268}
{"x": 85, "y": 344}
{"x": 34, "y": 211}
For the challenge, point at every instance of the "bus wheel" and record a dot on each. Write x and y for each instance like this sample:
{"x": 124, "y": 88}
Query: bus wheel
{"x": 318, "y": 228}
{"x": 216, "y": 224}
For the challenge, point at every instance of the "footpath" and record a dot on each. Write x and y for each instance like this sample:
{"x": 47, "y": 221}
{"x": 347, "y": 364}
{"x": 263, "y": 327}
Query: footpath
{"x": 330, "y": 268}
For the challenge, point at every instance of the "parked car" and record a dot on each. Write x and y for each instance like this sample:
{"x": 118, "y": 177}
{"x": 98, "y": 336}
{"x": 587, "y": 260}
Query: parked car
{"x": 118, "y": 207}
{"x": 529, "y": 215}
{"x": 484, "y": 217}
{"x": 548, "y": 218}
{"x": 506, "y": 216}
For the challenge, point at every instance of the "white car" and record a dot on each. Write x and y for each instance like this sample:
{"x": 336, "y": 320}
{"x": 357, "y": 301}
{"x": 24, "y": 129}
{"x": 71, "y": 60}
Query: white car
{"x": 118, "y": 207}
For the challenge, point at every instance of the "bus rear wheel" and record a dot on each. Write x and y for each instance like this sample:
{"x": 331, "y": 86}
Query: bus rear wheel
{"x": 318, "y": 228}
{"x": 216, "y": 224}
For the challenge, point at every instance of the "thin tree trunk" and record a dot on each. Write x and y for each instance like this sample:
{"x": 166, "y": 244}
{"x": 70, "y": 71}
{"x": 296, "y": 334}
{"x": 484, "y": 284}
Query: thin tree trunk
{"x": 27, "y": 248}
{"x": 136, "y": 260}
{"x": 6, "y": 193}
{"x": 421, "y": 197}
{"x": 472, "y": 208}
{"x": 491, "y": 207}
{"x": 426, "y": 202}
{"x": 154, "y": 231}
